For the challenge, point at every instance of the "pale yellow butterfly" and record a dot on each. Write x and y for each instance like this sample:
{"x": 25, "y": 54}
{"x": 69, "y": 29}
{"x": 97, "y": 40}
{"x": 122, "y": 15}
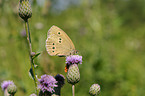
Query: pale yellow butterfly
{"x": 58, "y": 43}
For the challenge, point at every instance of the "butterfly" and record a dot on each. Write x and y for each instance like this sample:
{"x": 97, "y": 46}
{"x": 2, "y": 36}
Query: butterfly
{"x": 58, "y": 43}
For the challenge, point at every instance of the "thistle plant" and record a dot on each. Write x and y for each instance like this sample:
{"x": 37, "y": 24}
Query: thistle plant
{"x": 9, "y": 88}
{"x": 25, "y": 12}
{"x": 73, "y": 74}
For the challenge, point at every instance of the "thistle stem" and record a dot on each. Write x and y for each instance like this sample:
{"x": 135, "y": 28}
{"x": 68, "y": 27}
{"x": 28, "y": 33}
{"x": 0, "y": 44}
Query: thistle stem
{"x": 73, "y": 90}
{"x": 30, "y": 51}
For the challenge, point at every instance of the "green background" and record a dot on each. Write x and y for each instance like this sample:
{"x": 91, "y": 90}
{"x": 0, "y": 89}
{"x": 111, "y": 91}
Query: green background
{"x": 109, "y": 34}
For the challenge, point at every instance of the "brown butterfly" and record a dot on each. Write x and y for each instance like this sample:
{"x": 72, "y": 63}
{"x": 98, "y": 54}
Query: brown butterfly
{"x": 58, "y": 43}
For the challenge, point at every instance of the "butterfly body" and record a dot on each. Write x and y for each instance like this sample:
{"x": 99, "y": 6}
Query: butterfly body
{"x": 58, "y": 43}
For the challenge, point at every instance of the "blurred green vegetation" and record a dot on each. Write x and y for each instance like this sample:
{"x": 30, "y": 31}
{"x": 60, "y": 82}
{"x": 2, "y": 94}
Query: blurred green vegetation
{"x": 109, "y": 34}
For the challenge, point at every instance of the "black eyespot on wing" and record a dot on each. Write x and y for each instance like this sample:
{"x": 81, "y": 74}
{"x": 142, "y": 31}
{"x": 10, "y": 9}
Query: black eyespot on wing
{"x": 53, "y": 47}
{"x": 59, "y": 41}
{"x": 52, "y": 51}
{"x": 52, "y": 43}
{"x": 59, "y": 33}
{"x": 59, "y": 38}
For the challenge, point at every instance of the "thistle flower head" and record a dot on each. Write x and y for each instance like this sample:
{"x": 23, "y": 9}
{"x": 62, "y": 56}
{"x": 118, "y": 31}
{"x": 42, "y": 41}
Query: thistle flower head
{"x": 25, "y": 10}
{"x": 60, "y": 79}
{"x": 47, "y": 83}
{"x": 73, "y": 74}
{"x": 5, "y": 84}
{"x": 12, "y": 89}
{"x": 94, "y": 89}
{"x": 74, "y": 59}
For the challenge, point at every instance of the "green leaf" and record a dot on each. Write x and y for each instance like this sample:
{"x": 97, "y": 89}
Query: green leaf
{"x": 35, "y": 55}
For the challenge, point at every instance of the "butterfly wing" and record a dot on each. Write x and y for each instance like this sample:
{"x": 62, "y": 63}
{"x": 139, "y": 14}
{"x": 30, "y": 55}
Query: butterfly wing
{"x": 58, "y": 43}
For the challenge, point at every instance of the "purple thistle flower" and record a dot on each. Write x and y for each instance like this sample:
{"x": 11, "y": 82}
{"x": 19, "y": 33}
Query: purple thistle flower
{"x": 74, "y": 59}
{"x": 33, "y": 94}
{"x": 47, "y": 83}
{"x": 5, "y": 84}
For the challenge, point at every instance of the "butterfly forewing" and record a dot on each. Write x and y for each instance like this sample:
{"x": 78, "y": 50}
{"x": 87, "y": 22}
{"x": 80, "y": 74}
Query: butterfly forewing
{"x": 58, "y": 43}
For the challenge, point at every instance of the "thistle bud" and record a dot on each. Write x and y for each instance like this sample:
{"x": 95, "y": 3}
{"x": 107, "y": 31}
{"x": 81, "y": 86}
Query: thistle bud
{"x": 94, "y": 89}
{"x": 25, "y": 10}
{"x": 12, "y": 89}
{"x": 73, "y": 74}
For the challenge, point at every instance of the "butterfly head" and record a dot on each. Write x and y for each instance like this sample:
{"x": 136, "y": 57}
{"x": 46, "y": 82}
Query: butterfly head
{"x": 74, "y": 52}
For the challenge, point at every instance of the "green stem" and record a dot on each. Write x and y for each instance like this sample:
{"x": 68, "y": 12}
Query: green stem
{"x": 30, "y": 51}
{"x": 73, "y": 90}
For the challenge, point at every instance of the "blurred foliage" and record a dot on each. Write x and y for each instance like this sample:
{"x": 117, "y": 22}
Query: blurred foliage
{"x": 109, "y": 34}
